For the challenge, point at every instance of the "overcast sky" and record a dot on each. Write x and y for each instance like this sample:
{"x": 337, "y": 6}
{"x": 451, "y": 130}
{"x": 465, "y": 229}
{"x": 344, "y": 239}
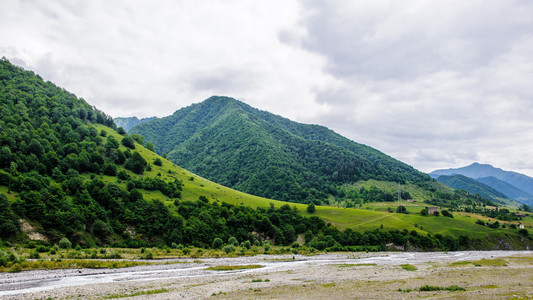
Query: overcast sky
{"x": 436, "y": 84}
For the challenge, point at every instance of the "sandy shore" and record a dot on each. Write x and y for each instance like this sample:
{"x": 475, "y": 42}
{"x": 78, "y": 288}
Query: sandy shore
{"x": 483, "y": 274}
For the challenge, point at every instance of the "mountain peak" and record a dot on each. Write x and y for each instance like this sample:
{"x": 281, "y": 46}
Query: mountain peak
{"x": 477, "y": 170}
{"x": 237, "y": 145}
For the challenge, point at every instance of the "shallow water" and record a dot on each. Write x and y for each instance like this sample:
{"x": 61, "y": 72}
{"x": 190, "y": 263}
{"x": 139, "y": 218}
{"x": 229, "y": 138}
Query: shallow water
{"x": 12, "y": 284}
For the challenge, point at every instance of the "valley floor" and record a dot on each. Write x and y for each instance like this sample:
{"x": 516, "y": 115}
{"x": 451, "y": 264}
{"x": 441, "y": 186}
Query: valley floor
{"x": 482, "y": 274}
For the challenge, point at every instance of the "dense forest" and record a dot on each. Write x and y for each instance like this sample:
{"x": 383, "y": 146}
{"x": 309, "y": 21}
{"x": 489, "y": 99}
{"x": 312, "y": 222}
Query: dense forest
{"x": 66, "y": 177}
{"x": 263, "y": 154}
{"x": 66, "y": 170}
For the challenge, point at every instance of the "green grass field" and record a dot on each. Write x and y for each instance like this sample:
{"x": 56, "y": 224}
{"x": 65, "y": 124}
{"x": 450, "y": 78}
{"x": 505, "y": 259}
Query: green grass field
{"x": 369, "y": 216}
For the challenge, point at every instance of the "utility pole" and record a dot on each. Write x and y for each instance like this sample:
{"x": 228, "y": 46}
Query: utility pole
{"x": 399, "y": 192}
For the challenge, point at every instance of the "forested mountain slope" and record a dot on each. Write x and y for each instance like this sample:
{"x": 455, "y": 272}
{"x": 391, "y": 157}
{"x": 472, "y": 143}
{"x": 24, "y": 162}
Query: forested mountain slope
{"x": 470, "y": 185}
{"x": 257, "y": 152}
{"x": 65, "y": 171}
{"x": 510, "y": 190}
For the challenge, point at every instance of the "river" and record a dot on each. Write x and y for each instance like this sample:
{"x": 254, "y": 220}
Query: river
{"x": 13, "y": 284}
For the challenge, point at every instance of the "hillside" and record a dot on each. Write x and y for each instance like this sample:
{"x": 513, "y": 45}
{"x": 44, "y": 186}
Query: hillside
{"x": 470, "y": 185}
{"x": 127, "y": 123}
{"x": 507, "y": 189}
{"x": 260, "y": 153}
{"x": 65, "y": 172}
{"x": 520, "y": 182}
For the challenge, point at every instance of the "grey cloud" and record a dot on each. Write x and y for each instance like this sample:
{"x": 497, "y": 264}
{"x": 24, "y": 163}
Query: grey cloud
{"x": 405, "y": 39}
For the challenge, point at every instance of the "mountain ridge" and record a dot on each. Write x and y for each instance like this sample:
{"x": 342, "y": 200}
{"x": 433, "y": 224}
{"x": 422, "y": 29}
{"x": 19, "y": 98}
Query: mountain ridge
{"x": 266, "y": 154}
{"x": 520, "y": 184}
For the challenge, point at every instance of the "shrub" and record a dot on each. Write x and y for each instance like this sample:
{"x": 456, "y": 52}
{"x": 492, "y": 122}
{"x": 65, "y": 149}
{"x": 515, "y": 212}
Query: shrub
{"x": 42, "y": 249}
{"x": 246, "y": 244}
{"x": 3, "y": 261}
{"x": 401, "y": 209}
{"x": 158, "y": 162}
{"x": 64, "y": 243}
{"x": 479, "y": 222}
{"x": 311, "y": 208}
{"x": 494, "y": 225}
{"x": 229, "y": 248}
{"x": 217, "y": 243}
{"x": 447, "y": 214}
{"x": 523, "y": 232}
{"x": 35, "y": 255}
{"x": 233, "y": 241}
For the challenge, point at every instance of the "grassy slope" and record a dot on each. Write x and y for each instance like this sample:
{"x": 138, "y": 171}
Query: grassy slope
{"x": 370, "y": 217}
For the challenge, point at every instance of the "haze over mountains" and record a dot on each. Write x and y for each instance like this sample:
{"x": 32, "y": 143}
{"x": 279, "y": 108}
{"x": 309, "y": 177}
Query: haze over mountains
{"x": 514, "y": 185}
{"x": 129, "y": 122}
{"x": 234, "y": 144}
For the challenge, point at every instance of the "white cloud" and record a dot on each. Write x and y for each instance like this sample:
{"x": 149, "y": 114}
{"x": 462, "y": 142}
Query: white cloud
{"x": 143, "y": 58}
{"x": 433, "y": 83}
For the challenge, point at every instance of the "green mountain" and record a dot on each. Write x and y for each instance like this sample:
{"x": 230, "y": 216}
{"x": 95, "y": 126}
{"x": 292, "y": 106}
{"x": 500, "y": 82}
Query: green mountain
{"x": 263, "y": 154}
{"x": 470, "y": 185}
{"x": 127, "y": 123}
{"x": 65, "y": 172}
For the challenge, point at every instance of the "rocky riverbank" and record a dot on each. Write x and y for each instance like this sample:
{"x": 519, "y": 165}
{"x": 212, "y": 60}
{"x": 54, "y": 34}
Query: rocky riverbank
{"x": 501, "y": 274}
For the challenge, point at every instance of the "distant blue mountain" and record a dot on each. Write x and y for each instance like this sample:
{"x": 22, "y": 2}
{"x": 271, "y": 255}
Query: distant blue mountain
{"x": 515, "y": 185}
{"x": 470, "y": 185}
{"x": 510, "y": 190}
{"x": 129, "y": 122}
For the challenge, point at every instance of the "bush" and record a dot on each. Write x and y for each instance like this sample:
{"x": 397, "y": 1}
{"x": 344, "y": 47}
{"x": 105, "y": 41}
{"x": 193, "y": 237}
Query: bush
{"x": 128, "y": 142}
{"x": 479, "y": 222}
{"x": 64, "y": 243}
{"x": 42, "y": 249}
{"x": 3, "y": 261}
{"x": 523, "y": 232}
{"x": 233, "y": 241}
{"x": 246, "y": 244}
{"x": 401, "y": 209}
{"x": 494, "y": 225}
{"x": 229, "y": 248}
{"x": 311, "y": 208}
{"x": 424, "y": 211}
{"x": 447, "y": 214}
{"x": 35, "y": 255}
{"x": 217, "y": 243}
{"x": 158, "y": 162}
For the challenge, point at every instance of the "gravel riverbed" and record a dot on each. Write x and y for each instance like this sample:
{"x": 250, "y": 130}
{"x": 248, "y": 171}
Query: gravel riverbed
{"x": 337, "y": 276}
